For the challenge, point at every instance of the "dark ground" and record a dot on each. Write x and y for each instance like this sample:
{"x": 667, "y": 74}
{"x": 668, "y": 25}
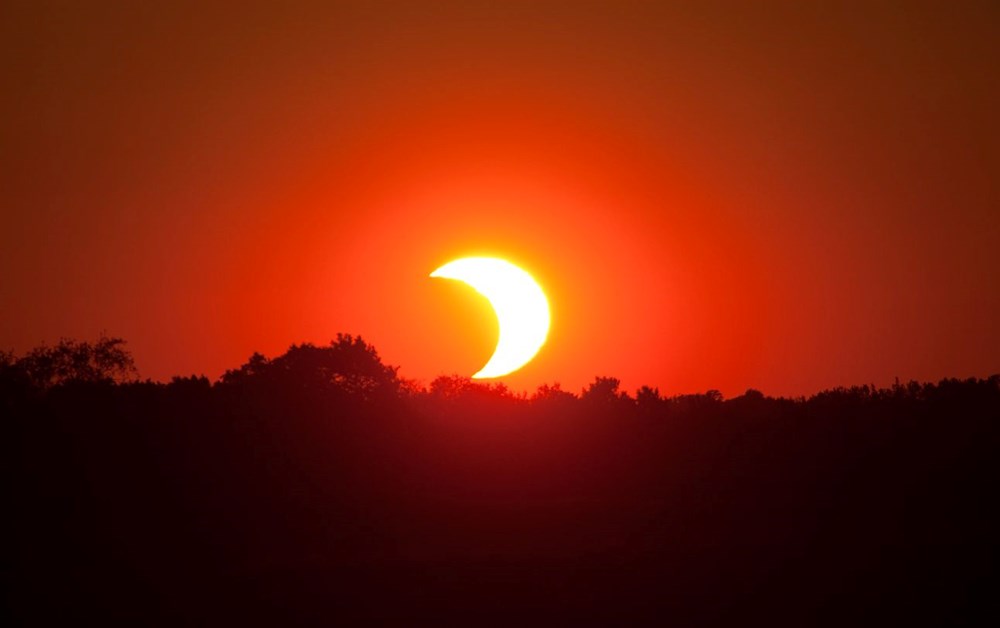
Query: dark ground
{"x": 252, "y": 503}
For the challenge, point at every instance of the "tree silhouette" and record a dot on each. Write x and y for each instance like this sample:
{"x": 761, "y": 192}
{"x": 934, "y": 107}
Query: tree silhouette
{"x": 648, "y": 397}
{"x": 262, "y": 498}
{"x": 105, "y": 361}
{"x": 553, "y": 395}
{"x": 456, "y": 387}
{"x": 604, "y": 391}
{"x": 347, "y": 366}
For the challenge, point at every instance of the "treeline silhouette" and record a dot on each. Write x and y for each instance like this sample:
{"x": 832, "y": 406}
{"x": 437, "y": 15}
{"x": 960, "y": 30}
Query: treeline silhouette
{"x": 318, "y": 487}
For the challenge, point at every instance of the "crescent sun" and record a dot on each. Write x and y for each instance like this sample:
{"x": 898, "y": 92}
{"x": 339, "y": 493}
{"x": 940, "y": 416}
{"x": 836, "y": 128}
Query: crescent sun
{"x": 520, "y": 305}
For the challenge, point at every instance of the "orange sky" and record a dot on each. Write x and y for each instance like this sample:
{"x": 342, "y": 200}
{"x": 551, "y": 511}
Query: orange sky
{"x": 713, "y": 197}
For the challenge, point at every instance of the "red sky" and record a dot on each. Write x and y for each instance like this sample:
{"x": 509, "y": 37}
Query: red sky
{"x": 718, "y": 196}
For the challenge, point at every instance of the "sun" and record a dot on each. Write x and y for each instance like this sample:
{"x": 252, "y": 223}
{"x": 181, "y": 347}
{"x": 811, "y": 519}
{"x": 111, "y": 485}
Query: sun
{"x": 520, "y": 304}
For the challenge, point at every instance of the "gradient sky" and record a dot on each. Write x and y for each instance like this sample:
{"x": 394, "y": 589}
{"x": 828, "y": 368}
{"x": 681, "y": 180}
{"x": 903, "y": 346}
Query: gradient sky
{"x": 718, "y": 196}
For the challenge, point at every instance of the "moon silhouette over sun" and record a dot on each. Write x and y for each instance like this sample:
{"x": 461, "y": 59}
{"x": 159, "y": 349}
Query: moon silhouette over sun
{"x": 520, "y": 305}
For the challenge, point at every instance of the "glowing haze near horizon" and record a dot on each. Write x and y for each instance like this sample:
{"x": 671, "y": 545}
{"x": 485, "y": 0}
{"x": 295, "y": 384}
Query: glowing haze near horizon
{"x": 713, "y": 197}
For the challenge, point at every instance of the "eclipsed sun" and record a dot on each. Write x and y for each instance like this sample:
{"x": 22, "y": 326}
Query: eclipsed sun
{"x": 520, "y": 305}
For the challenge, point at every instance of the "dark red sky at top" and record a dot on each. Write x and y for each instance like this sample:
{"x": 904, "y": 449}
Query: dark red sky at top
{"x": 717, "y": 196}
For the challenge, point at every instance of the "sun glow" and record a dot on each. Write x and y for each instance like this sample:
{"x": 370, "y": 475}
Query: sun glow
{"x": 520, "y": 305}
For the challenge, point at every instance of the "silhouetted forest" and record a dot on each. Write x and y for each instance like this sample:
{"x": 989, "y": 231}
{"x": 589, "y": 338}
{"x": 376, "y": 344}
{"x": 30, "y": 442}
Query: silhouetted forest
{"x": 317, "y": 487}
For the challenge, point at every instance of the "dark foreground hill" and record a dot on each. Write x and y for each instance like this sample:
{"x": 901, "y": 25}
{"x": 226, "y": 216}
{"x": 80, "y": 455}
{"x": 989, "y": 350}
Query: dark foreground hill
{"x": 316, "y": 488}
